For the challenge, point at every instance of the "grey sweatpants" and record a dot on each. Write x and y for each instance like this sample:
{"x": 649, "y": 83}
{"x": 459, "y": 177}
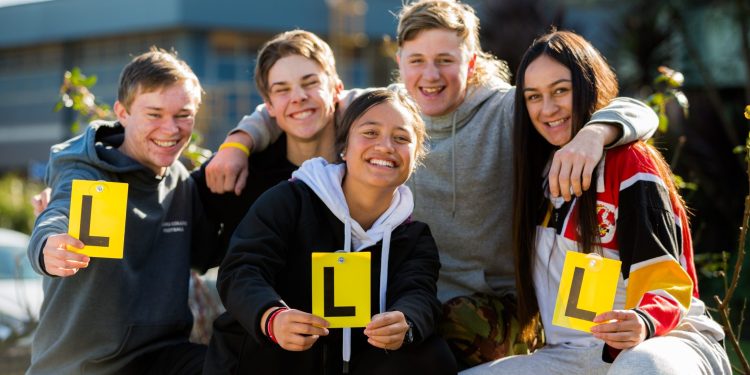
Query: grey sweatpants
{"x": 682, "y": 351}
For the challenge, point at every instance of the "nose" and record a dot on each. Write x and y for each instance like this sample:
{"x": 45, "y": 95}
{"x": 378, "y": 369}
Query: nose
{"x": 172, "y": 125}
{"x": 298, "y": 94}
{"x": 431, "y": 72}
{"x": 385, "y": 144}
{"x": 549, "y": 106}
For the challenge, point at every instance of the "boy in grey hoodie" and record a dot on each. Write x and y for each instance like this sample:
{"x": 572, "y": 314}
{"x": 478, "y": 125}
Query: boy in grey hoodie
{"x": 462, "y": 189}
{"x": 130, "y": 315}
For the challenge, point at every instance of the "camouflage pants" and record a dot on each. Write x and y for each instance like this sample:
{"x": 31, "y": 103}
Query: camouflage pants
{"x": 481, "y": 328}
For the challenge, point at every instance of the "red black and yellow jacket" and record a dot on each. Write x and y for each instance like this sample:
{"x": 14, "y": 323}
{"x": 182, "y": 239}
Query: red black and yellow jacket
{"x": 643, "y": 227}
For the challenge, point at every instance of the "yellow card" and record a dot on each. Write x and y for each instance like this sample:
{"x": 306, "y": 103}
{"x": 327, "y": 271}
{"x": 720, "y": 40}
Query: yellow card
{"x": 97, "y": 217}
{"x": 341, "y": 288}
{"x": 587, "y": 289}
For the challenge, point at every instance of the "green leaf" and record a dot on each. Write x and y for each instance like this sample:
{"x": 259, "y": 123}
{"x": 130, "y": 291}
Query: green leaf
{"x": 663, "y": 123}
{"x": 89, "y": 81}
{"x": 747, "y": 112}
{"x": 58, "y": 106}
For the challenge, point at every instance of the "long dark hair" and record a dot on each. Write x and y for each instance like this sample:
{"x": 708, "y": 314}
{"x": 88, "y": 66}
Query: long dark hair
{"x": 594, "y": 85}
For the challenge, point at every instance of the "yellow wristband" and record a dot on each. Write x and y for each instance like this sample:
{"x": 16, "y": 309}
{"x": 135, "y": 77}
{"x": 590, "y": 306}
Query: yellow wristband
{"x": 236, "y": 145}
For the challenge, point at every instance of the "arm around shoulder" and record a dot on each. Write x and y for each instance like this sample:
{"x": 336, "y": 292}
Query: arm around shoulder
{"x": 634, "y": 120}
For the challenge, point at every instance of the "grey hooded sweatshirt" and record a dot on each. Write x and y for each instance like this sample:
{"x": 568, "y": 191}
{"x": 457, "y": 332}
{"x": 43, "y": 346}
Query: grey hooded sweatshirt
{"x": 463, "y": 189}
{"x": 98, "y": 320}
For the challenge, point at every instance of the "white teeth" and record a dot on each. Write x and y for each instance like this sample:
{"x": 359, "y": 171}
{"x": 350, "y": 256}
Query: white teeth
{"x": 431, "y": 90}
{"x": 383, "y": 163}
{"x": 165, "y": 143}
{"x": 556, "y": 122}
{"x": 302, "y": 115}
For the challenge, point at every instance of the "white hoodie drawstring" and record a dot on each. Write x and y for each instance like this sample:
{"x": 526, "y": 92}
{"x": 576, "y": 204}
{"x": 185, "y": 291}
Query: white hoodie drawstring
{"x": 384, "y": 255}
{"x": 346, "y": 352}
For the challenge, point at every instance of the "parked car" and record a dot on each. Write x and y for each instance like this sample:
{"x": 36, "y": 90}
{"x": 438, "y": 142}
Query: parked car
{"x": 21, "y": 292}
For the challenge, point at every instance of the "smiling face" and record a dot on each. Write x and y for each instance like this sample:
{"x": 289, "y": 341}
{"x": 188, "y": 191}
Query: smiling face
{"x": 302, "y": 98}
{"x": 435, "y": 67}
{"x": 158, "y": 124}
{"x": 381, "y": 147}
{"x": 548, "y": 94}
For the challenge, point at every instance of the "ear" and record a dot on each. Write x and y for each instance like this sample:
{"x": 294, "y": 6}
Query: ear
{"x": 121, "y": 112}
{"x": 269, "y": 107}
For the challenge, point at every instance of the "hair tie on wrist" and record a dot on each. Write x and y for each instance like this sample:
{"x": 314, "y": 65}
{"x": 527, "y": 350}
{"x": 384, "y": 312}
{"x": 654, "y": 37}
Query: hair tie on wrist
{"x": 269, "y": 323}
{"x": 236, "y": 145}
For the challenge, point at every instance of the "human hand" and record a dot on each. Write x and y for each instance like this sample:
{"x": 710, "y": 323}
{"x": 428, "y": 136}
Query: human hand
{"x": 59, "y": 261}
{"x": 387, "y": 330}
{"x": 228, "y": 170}
{"x": 572, "y": 165}
{"x": 297, "y": 330}
{"x": 40, "y": 201}
{"x": 620, "y": 329}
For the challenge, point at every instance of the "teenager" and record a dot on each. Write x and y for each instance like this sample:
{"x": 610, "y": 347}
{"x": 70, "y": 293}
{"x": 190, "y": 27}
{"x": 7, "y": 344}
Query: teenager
{"x": 360, "y": 204}
{"x": 295, "y": 73}
{"x": 634, "y": 215}
{"x": 130, "y": 315}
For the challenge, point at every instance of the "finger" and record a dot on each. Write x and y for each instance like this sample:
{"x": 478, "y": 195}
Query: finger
{"x": 385, "y": 319}
{"x": 241, "y": 181}
{"x": 614, "y": 315}
{"x": 65, "y": 255}
{"x": 211, "y": 175}
{"x": 564, "y": 180}
{"x": 297, "y": 316}
{"x": 588, "y": 169}
{"x": 307, "y": 329}
{"x": 554, "y": 171}
{"x": 575, "y": 178}
{"x": 230, "y": 179}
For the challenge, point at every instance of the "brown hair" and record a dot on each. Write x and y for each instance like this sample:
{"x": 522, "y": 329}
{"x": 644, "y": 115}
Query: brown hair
{"x": 295, "y": 42}
{"x": 363, "y": 103}
{"x": 594, "y": 86}
{"x": 154, "y": 70}
{"x": 454, "y": 16}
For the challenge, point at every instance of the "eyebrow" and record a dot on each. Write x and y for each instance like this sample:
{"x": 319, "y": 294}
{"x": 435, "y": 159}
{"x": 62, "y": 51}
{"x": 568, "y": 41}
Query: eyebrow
{"x": 561, "y": 80}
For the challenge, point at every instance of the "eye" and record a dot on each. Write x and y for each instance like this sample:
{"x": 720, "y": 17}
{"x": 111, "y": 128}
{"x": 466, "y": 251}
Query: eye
{"x": 369, "y": 133}
{"x": 280, "y": 90}
{"x": 416, "y": 61}
{"x": 445, "y": 61}
{"x": 310, "y": 83}
{"x": 561, "y": 90}
{"x": 154, "y": 115}
{"x": 403, "y": 139}
{"x": 532, "y": 97}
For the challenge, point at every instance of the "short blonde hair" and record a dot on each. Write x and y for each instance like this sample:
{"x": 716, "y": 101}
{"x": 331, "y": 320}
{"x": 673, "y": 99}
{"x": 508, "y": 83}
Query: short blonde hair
{"x": 454, "y": 16}
{"x": 154, "y": 70}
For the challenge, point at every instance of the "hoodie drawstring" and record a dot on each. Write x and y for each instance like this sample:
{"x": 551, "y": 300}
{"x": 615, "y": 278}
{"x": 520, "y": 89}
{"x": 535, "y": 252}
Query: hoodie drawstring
{"x": 346, "y": 346}
{"x": 385, "y": 254}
